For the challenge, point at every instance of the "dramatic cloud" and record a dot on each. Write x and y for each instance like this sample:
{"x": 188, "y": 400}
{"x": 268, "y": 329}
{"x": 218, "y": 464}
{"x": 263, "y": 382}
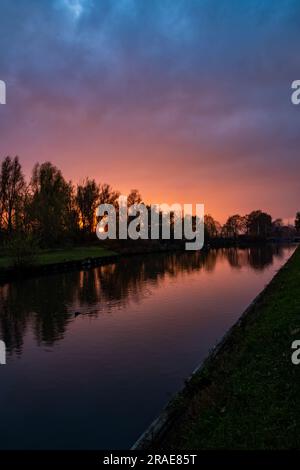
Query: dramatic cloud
{"x": 189, "y": 100}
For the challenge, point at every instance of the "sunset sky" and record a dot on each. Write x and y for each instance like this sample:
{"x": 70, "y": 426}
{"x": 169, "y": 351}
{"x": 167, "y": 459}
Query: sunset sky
{"x": 187, "y": 100}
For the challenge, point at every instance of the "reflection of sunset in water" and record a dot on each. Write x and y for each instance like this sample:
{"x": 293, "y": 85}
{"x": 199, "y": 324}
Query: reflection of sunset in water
{"x": 116, "y": 339}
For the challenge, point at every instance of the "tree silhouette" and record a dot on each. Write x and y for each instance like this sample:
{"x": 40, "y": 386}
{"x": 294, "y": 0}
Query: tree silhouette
{"x": 12, "y": 187}
{"x": 87, "y": 199}
{"x": 259, "y": 224}
{"x": 50, "y": 203}
{"x": 234, "y": 226}
{"x": 53, "y": 212}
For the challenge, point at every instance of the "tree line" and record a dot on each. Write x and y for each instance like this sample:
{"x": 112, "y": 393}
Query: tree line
{"x": 54, "y": 211}
{"x": 49, "y": 207}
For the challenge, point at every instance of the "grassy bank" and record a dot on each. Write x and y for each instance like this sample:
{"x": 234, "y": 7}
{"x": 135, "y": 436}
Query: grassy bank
{"x": 247, "y": 396}
{"x": 70, "y": 255}
{"x": 48, "y": 257}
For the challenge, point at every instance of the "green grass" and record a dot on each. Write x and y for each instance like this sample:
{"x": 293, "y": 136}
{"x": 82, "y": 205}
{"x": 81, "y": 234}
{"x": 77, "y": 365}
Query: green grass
{"x": 248, "y": 396}
{"x": 62, "y": 256}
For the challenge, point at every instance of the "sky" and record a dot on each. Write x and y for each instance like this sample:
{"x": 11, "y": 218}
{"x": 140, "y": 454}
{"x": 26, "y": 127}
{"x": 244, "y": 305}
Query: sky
{"x": 187, "y": 100}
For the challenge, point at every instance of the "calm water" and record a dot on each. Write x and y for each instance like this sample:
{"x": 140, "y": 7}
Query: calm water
{"x": 98, "y": 378}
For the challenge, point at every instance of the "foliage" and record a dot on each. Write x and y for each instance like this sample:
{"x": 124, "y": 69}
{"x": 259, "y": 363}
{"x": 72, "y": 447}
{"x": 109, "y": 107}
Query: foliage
{"x": 210, "y": 226}
{"x": 234, "y": 226}
{"x": 12, "y": 187}
{"x": 87, "y": 199}
{"x": 49, "y": 204}
{"x": 107, "y": 195}
{"x": 22, "y": 250}
{"x": 134, "y": 197}
{"x": 56, "y": 213}
{"x": 258, "y": 224}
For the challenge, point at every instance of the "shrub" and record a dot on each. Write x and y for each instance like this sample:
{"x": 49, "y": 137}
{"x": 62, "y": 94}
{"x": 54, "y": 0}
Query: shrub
{"x": 23, "y": 250}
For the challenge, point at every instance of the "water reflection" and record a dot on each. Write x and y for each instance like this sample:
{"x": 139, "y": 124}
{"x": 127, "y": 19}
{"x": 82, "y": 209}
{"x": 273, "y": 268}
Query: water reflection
{"x": 48, "y": 304}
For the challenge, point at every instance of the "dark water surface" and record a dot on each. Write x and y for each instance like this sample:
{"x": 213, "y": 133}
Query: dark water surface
{"x": 94, "y": 355}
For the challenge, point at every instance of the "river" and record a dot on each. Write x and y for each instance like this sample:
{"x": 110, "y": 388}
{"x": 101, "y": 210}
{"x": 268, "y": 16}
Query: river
{"x": 94, "y": 355}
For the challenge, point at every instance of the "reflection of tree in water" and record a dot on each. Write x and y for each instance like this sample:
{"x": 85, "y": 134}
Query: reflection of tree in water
{"x": 261, "y": 257}
{"x": 47, "y": 304}
{"x": 257, "y": 257}
{"x": 40, "y": 302}
{"x": 238, "y": 258}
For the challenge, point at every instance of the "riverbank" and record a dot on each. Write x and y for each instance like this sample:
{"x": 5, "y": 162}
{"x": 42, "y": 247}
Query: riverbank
{"x": 48, "y": 261}
{"x": 246, "y": 394}
{"x": 48, "y": 257}
{"x": 67, "y": 259}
